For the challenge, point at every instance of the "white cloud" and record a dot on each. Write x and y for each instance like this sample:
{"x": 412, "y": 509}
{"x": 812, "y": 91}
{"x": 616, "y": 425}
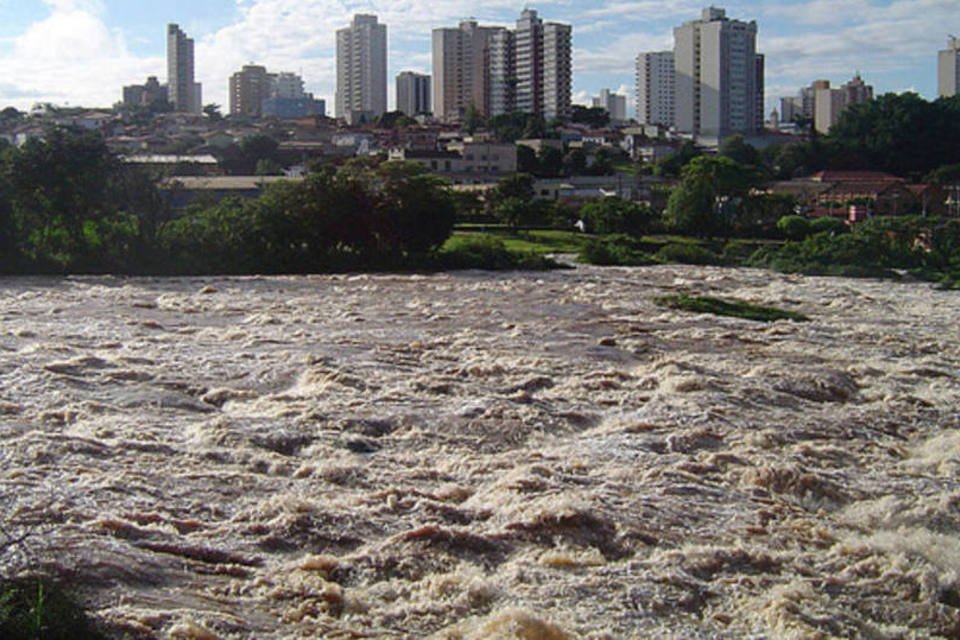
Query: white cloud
{"x": 71, "y": 57}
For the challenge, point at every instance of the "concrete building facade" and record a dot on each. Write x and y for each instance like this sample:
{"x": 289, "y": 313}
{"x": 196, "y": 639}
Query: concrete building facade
{"x": 461, "y": 70}
{"x": 656, "y": 88}
{"x": 717, "y": 68}
{"x": 183, "y": 91}
{"x": 614, "y": 104}
{"x": 830, "y": 103}
{"x": 249, "y": 87}
{"x": 497, "y": 70}
{"x": 143, "y": 95}
{"x": 948, "y": 69}
{"x": 413, "y": 93}
{"x": 557, "y": 79}
{"x": 361, "y": 70}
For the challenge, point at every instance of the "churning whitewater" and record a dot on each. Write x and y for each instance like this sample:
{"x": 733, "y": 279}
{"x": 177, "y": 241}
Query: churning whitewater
{"x": 473, "y": 455}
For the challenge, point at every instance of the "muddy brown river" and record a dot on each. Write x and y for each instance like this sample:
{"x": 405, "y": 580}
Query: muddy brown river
{"x": 476, "y": 456}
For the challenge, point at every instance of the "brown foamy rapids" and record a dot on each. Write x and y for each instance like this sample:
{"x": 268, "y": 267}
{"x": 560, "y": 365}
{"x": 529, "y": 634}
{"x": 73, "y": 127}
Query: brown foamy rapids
{"x": 467, "y": 456}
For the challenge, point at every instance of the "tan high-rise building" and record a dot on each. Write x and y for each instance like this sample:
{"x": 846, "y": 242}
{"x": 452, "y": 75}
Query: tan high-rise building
{"x": 717, "y": 66}
{"x": 361, "y": 70}
{"x": 183, "y": 92}
{"x": 948, "y": 69}
{"x": 830, "y": 103}
{"x": 461, "y": 70}
{"x": 497, "y": 71}
{"x": 248, "y": 89}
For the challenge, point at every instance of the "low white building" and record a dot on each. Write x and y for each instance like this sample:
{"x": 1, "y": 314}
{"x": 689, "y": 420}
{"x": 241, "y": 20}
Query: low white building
{"x": 466, "y": 162}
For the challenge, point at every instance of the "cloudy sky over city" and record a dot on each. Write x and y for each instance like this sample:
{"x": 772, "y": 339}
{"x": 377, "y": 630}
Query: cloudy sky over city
{"x": 81, "y": 52}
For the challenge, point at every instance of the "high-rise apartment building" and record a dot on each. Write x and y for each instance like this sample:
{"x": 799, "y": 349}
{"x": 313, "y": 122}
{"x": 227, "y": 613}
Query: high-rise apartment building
{"x": 717, "y": 67}
{"x": 248, "y": 89}
{"x": 557, "y": 79}
{"x": 948, "y": 69}
{"x": 497, "y": 70}
{"x": 361, "y": 70}
{"x": 614, "y": 104}
{"x": 830, "y": 103}
{"x": 183, "y": 91}
{"x": 150, "y": 93}
{"x": 286, "y": 86}
{"x": 656, "y": 88}
{"x": 413, "y": 93}
{"x": 461, "y": 70}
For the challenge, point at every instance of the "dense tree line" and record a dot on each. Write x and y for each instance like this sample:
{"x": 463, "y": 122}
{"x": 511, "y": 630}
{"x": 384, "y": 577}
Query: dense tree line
{"x": 67, "y": 205}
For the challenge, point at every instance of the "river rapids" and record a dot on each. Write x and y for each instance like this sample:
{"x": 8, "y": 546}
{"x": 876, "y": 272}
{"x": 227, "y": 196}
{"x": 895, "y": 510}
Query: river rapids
{"x": 463, "y": 456}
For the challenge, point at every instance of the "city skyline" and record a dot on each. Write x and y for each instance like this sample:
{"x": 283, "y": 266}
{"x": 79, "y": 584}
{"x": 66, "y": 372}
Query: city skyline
{"x": 82, "y": 52}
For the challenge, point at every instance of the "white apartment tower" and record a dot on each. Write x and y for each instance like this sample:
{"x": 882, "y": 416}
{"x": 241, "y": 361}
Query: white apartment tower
{"x": 656, "y": 88}
{"x": 948, "y": 69}
{"x": 183, "y": 92}
{"x": 361, "y": 70}
{"x": 413, "y": 93}
{"x": 557, "y": 79}
{"x": 613, "y": 103}
{"x": 717, "y": 68}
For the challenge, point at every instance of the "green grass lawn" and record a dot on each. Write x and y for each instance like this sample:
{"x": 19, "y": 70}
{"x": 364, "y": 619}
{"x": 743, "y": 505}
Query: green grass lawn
{"x": 539, "y": 242}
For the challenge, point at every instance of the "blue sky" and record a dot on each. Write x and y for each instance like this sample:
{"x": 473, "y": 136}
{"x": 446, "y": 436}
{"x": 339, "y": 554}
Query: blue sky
{"x": 84, "y": 51}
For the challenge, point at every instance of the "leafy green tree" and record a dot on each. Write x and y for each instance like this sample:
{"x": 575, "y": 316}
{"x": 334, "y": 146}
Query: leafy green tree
{"x": 946, "y": 175}
{"x": 709, "y": 188}
{"x": 613, "y": 215}
{"x": 519, "y": 185}
{"x": 472, "y": 119}
{"x": 395, "y": 120}
{"x": 57, "y": 186}
{"x": 550, "y": 160}
{"x": 575, "y": 163}
{"x": 594, "y": 116}
{"x": 738, "y": 150}
{"x": 526, "y": 159}
{"x": 674, "y": 164}
{"x": 793, "y": 227}
{"x": 268, "y": 167}
{"x": 212, "y": 111}
{"x": 902, "y": 134}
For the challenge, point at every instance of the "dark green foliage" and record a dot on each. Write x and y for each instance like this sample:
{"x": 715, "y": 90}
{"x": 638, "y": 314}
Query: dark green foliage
{"x": 874, "y": 248}
{"x": 491, "y": 254}
{"x": 738, "y": 150}
{"x": 793, "y": 227}
{"x": 360, "y": 217}
{"x": 730, "y": 308}
{"x": 510, "y": 127}
{"x": 575, "y": 162}
{"x": 756, "y": 214}
{"x": 527, "y": 162}
{"x": 705, "y": 201}
{"x": 594, "y": 116}
{"x": 902, "y": 134}
{"x": 242, "y": 159}
{"x": 945, "y": 175}
{"x": 615, "y": 250}
{"x": 613, "y": 215}
{"x": 828, "y": 224}
{"x": 687, "y": 254}
{"x": 673, "y": 165}
{"x": 35, "y": 610}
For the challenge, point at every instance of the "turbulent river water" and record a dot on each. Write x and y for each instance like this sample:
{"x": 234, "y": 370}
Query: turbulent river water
{"x": 458, "y": 456}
